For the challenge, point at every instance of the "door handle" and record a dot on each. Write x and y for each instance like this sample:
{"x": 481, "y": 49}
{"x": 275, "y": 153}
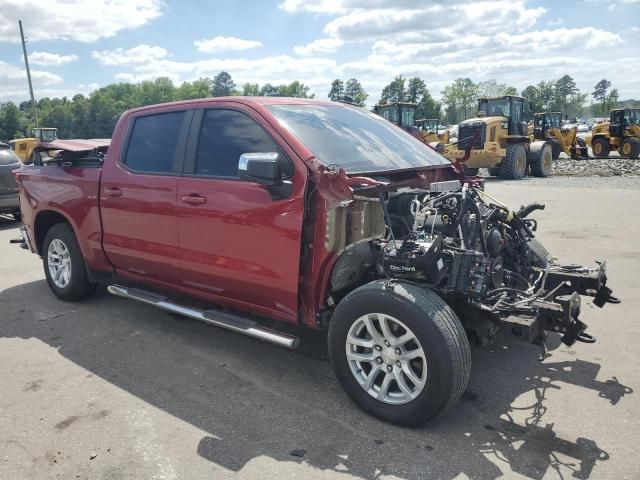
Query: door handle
{"x": 194, "y": 199}
{"x": 113, "y": 191}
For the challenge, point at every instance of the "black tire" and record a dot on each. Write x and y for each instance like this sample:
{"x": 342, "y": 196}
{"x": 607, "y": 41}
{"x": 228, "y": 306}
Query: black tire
{"x": 555, "y": 147}
{"x": 514, "y": 165}
{"x": 79, "y": 286}
{"x": 470, "y": 172}
{"x": 600, "y": 147}
{"x": 542, "y": 165}
{"x": 436, "y": 327}
{"x": 630, "y": 147}
{"x": 494, "y": 172}
{"x": 541, "y": 255}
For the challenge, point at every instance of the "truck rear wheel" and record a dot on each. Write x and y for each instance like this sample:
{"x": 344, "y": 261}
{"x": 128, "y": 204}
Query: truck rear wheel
{"x": 514, "y": 164}
{"x": 542, "y": 165}
{"x": 630, "y": 147}
{"x": 399, "y": 351}
{"x": 64, "y": 265}
{"x": 600, "y": 147}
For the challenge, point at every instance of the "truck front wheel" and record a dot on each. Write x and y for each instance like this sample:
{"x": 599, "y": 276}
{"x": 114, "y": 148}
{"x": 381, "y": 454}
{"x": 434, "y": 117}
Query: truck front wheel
{"x": 399, "y": 351}
{"x": 64, "y": 265}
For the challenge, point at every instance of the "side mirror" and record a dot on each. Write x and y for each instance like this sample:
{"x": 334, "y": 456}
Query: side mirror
{"x": 262, "y": 168}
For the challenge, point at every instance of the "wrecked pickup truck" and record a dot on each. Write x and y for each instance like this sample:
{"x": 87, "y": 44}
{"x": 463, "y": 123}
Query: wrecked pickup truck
{"x": 260, "y": 211}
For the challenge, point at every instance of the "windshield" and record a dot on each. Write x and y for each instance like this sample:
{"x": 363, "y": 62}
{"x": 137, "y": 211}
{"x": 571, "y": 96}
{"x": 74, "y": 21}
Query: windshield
{"x": 498, "y": 107}
{"x": 355, "y": 139}
{"x": 633, "y": 116}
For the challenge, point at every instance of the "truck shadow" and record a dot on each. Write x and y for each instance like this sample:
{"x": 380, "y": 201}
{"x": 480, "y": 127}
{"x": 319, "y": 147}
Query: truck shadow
{"x": 256, "y": 400}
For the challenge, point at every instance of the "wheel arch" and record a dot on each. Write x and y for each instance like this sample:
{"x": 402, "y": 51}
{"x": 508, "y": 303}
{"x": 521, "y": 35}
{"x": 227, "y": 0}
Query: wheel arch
{"x": 46, "y": 219}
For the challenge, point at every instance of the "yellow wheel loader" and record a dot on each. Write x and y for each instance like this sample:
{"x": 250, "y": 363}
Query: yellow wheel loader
{"x": 500, "y": 140}
{"x": 24, "y": 146}
{"x": 621, "y": 133}
{"x": 548, "y": 126}
{"x": 403, "y": 114}
{"x": 429, "y": 132}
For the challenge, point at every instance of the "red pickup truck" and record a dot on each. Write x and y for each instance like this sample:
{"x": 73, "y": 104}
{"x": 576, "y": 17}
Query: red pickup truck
{"x": 249, "y": 212}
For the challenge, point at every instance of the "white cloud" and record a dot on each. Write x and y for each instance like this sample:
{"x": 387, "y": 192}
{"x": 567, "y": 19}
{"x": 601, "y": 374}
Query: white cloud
{"x": 314, "y": 6}
{"x": 426, "y": 20}
{"x": 223, "y": 44}
{"x": 14, "y": 74}
{"x": 320, "y": 46}
{"x": 588, "y": 37}
{"x": 51, "y": 59}
{"x": 139, "y": 55}
{"x": 81, "y": 20}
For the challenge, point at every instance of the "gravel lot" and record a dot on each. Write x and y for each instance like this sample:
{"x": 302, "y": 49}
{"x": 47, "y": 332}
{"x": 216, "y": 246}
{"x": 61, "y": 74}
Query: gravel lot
{"x": 111, "y": 389}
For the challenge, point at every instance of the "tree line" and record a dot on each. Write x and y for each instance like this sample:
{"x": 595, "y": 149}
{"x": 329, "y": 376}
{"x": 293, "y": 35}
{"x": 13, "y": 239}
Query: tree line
{"x": 95, "y": 115}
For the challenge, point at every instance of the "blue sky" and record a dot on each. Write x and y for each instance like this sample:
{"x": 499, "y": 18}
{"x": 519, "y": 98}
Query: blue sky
{"x": 76, "y": 47}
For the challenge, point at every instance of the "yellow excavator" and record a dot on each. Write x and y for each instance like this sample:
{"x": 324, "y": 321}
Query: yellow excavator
{"x": 24, "y": 146}
{"x": 548, "y": 126}
{"x": 621, "y": 133}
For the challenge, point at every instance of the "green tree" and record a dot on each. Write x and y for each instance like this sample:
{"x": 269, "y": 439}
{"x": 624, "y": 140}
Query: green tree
{"x": 9, "y": 121}
{"x": 600, "y": 93}
{"x": 563, "y": 89}
{"x": 415, "y": 90}
{"x": 337, "y": 89}
{"x": 612, "y": 99}
{"x": 294, "y": 89}
{"x": 428, "y": 107}
{"x": 491, "y": 88}
{"x": 357, "y": 93}
{"x": 531, "y": 94}
{"x": 268, "y": 90}
{"x": 459, "y": 98}
{"x": 251, "y": 89}
{"x": 395, "y": 91}
{"x": 223, "y": 85}
{"x": 546, "y": 92}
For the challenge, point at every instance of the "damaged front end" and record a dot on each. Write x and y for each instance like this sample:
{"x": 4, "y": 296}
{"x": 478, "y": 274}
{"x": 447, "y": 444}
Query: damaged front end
{"x": 478, "y": 254}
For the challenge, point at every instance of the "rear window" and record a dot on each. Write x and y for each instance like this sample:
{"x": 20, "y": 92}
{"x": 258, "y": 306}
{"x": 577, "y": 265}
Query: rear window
{"x": 153, "y": 141}
{"x": 8, "y": 157}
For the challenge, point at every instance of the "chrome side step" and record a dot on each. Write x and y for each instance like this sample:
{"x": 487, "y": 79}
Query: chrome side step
{"x": 213, "y": 317}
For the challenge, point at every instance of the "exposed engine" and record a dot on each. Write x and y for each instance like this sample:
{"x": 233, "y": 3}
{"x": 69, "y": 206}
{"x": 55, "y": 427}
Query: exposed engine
{"x": 483, "y": 258}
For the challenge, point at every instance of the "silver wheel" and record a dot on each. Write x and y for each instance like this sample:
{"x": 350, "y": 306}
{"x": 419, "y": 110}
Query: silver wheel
{"x": 386, "y": 358}
{"x": 59, "y": 263}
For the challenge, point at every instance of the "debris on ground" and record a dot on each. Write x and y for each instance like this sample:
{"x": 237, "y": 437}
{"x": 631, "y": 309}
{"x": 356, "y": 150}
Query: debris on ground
{"x": 298, "y": 453}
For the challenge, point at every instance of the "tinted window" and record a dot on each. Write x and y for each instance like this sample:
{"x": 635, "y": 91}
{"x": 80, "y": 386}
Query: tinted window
{"x": 355, "y": 139}
{"x": 227, "y": 134}
{"x": 153, "y": 141}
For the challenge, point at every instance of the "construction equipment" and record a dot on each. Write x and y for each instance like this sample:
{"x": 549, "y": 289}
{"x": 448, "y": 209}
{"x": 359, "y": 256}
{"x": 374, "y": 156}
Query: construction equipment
{"x": 500, "y": 140}
{"x": 548, "y": 126}
{"x": 621, "y": 133}
{"x": 403, "y": 114}
{"x": 429, "y": 132}
{"x": 24, "y": 146}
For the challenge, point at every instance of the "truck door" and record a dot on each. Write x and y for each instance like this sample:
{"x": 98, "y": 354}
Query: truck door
{"x": 238, "y": 244}
{"x": 138, "y": 197}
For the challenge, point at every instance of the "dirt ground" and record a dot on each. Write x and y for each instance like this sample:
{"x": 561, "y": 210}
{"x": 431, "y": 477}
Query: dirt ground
{"x": 111, "y": 389}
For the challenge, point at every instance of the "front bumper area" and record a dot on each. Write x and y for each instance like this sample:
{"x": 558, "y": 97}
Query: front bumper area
{"x": 559, "y": 310}
{"x": 489, "y": 157}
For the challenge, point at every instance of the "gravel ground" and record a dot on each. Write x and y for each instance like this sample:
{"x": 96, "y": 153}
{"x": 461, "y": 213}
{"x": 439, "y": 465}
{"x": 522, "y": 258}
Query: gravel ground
{"x": 112, "y": 389}
{"x": 595, "y": 167}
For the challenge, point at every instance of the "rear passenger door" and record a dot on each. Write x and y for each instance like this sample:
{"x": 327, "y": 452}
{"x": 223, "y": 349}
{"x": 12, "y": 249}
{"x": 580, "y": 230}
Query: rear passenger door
{"x": 138, "y": 197}
{"x": 239, "y": 245}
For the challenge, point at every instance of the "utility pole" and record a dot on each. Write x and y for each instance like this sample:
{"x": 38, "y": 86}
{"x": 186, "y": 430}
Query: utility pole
{"x": 26, "y": 64}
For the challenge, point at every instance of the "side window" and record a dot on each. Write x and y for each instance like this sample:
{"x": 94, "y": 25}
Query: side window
{"x": 227, "y": 134}
{"x": 153, "y": 141}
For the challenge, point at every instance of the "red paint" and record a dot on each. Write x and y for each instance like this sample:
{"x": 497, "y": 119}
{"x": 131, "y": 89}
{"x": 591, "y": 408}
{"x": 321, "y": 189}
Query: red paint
{"x": 224, "y": 241}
